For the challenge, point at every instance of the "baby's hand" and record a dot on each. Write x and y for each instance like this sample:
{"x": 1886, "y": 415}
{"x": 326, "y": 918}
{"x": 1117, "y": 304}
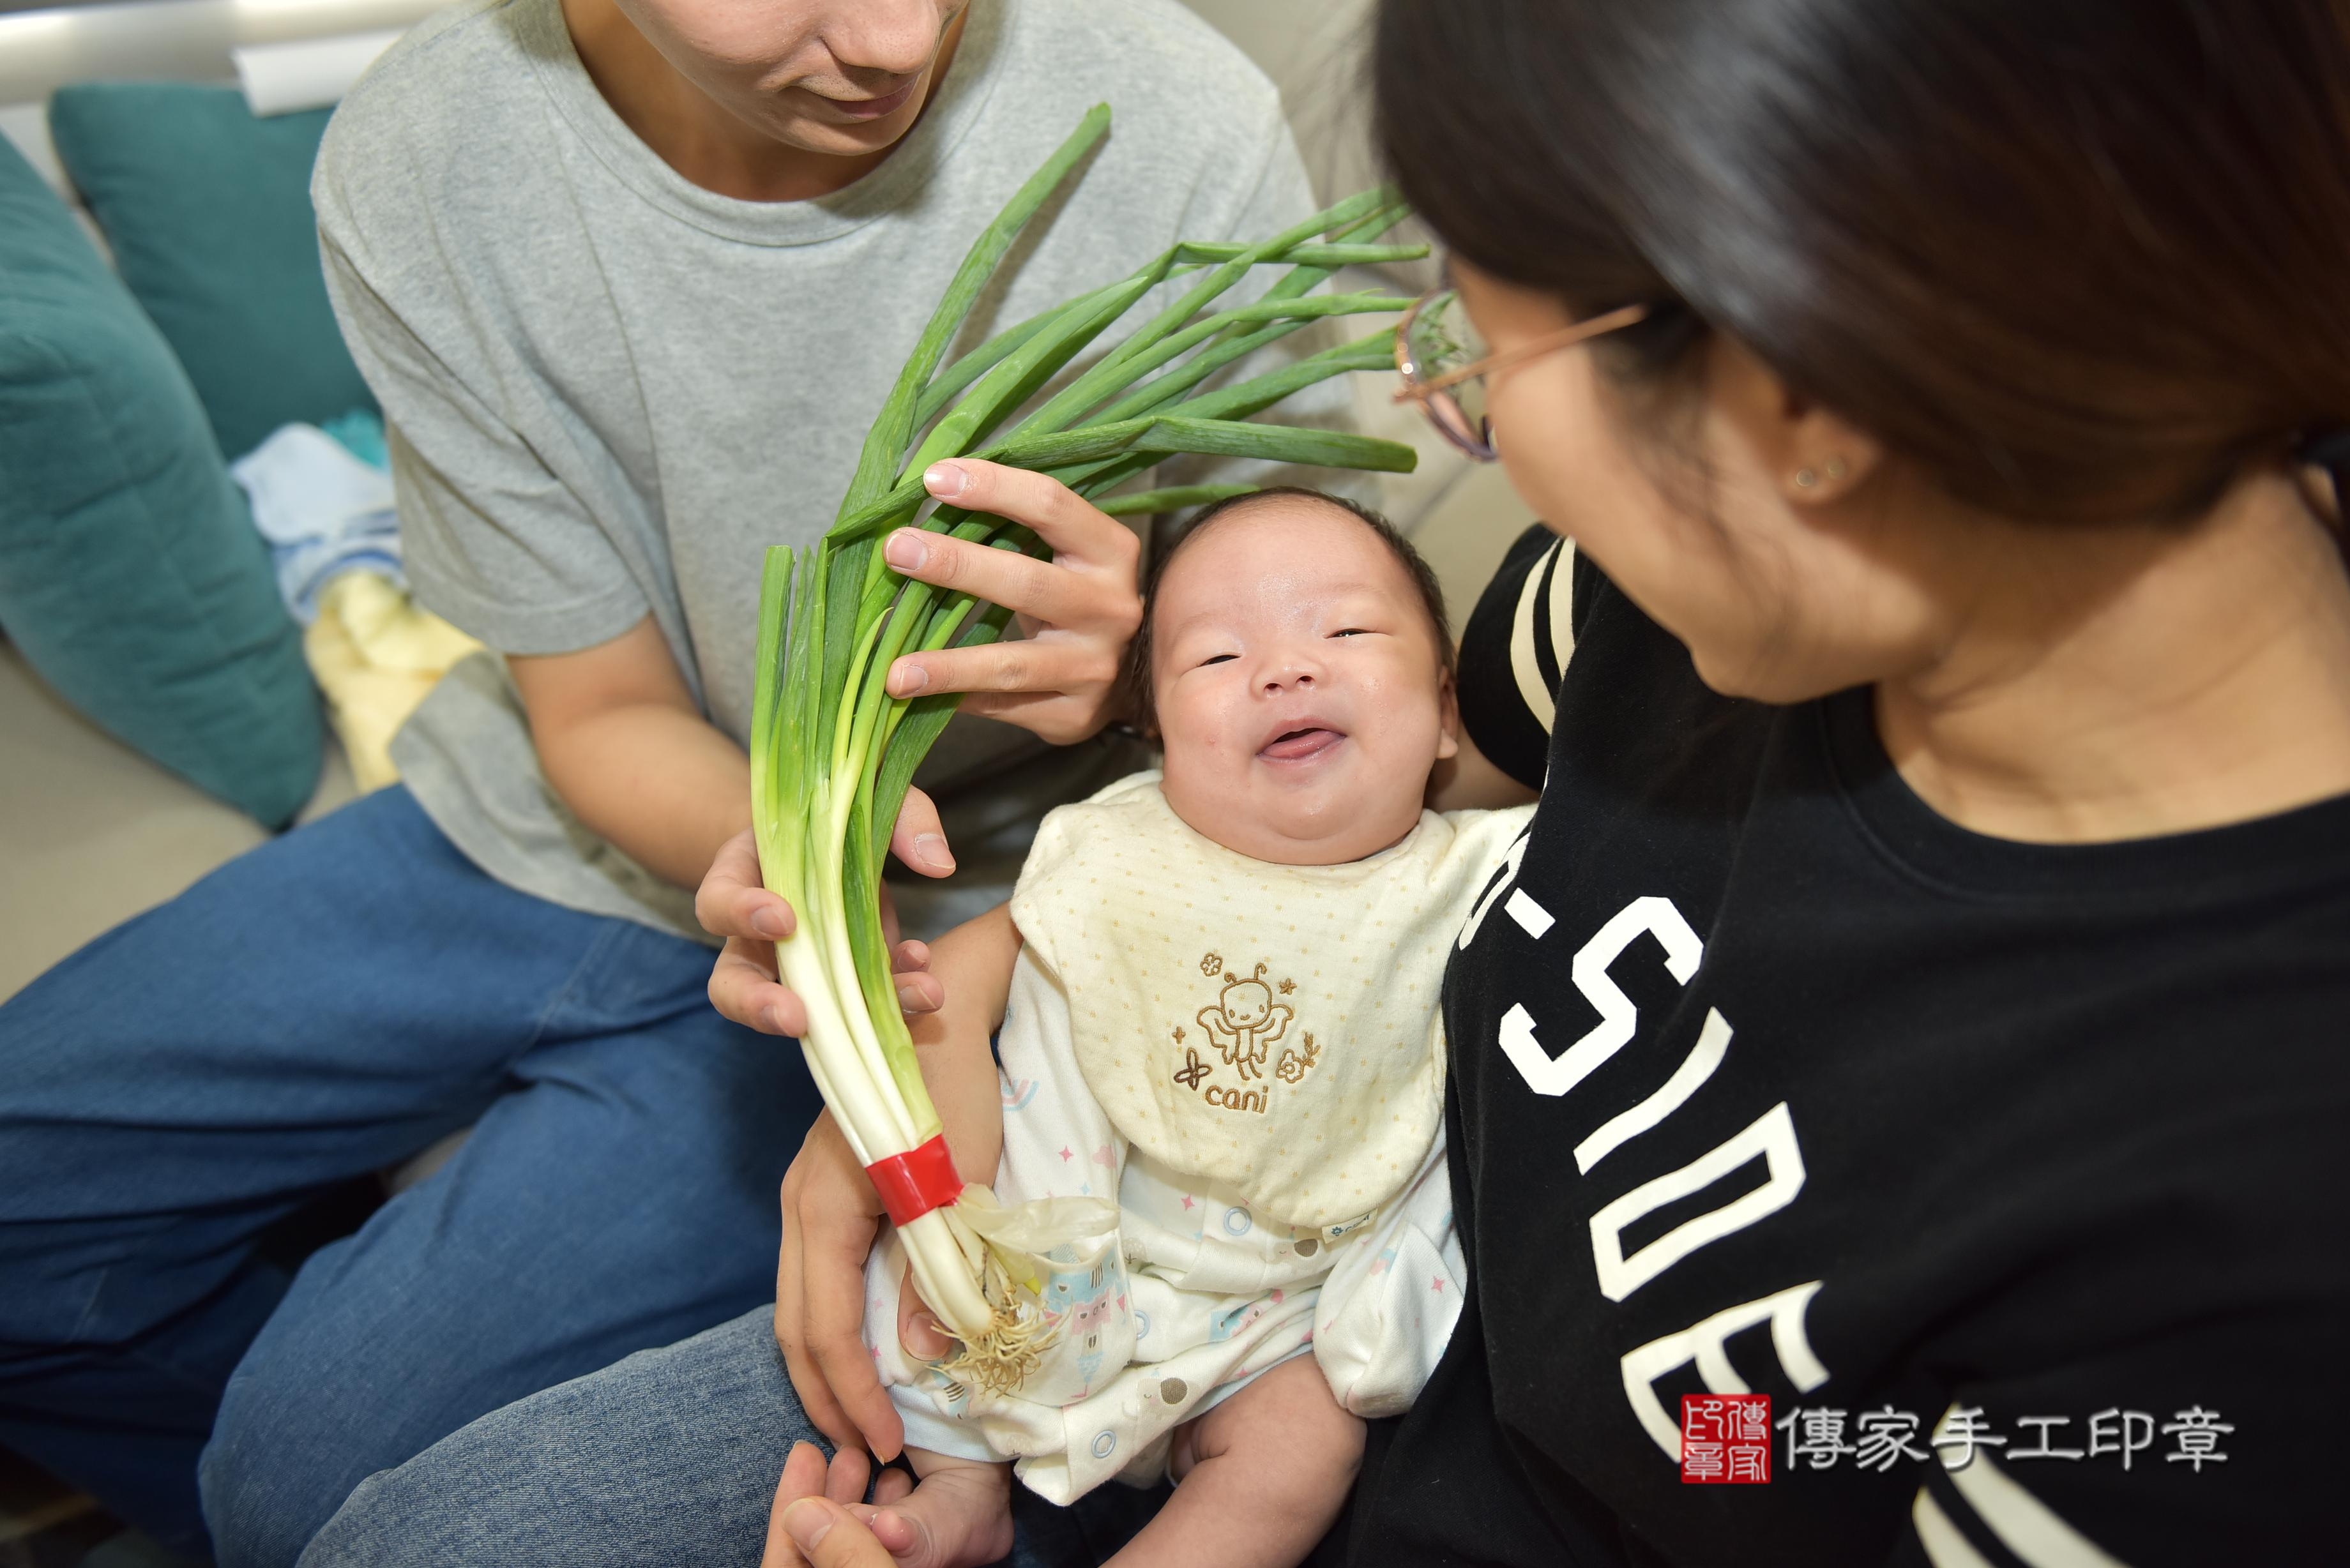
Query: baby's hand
{"x": 959, "y": 1515}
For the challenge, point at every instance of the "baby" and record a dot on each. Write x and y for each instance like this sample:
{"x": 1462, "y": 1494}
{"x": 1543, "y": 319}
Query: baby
{"x": 1224, "y": 1020}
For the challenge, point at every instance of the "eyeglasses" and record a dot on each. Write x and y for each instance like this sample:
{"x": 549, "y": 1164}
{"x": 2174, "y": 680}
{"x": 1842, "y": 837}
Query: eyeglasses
{"x": 1444, "y": 364}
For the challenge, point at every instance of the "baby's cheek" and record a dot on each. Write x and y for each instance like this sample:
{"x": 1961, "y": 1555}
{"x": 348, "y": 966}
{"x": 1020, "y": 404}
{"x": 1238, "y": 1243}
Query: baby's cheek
{"x": 1407, "y": 707}
{"x": 1200, "y": 779}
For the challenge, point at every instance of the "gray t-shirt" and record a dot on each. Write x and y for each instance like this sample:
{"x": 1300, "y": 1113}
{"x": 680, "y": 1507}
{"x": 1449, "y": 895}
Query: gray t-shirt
{"x": 609, "y": 389}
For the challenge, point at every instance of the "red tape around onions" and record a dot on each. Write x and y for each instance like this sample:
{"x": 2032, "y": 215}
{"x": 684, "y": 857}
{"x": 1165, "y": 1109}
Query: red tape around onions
{"x": 914, "y": 1183}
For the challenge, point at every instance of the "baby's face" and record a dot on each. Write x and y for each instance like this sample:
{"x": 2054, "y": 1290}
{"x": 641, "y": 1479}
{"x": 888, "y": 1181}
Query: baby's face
{"x": 1301, "y": 693}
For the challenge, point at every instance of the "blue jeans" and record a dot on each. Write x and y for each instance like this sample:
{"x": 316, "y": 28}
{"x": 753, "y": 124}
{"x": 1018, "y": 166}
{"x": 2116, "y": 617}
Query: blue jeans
{"x": 319, "y": 1009}
{"x": 670, "y": 1457}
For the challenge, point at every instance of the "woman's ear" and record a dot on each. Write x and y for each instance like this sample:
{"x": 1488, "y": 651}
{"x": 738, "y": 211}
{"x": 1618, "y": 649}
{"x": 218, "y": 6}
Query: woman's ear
{"x": 1812, "y": 453}
{"x": 1829, "y": 457}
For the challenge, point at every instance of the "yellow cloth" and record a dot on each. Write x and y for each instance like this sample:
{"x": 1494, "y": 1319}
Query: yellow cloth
{"x": 376, "y": 653}
{"x": 1274, "y": 1027}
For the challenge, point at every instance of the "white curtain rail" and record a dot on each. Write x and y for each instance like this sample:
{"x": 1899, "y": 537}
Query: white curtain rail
{"x": 185, "y": 40}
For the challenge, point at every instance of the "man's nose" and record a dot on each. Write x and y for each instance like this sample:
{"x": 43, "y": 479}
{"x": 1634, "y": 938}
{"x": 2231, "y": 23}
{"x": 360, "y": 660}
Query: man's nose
{"x": 885, "y": 37}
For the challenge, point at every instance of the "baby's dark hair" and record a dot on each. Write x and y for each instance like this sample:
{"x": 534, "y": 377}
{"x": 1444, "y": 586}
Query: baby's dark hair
{"x": 1135, "y": 677}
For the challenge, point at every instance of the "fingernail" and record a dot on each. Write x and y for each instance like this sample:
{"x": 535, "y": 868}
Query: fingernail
{"x": 944, "y": 480}
{"x": 907, "y": 995}
{"x": 807, "y": 1522}
{"x": 906, "y": 678}
{"x": 906, "y": 550}
{"x": 769, "y": 923}
{"x": 774, "y": 1014}
{"x": 932, "y": 850}
{"x": 928, "y": 1340}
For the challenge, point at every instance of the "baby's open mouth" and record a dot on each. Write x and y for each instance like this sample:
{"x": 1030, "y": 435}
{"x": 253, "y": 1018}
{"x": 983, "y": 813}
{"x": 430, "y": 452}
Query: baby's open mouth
{"x": 1299, "y": 745}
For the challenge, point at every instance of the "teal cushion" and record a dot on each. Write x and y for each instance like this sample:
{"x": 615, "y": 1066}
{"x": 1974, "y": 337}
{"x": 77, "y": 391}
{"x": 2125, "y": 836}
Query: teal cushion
{"x": 208, "y": 211}
{"x": 131, "y": 574}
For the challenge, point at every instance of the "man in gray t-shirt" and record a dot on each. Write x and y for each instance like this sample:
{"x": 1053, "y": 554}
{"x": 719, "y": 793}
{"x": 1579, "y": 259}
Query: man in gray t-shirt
{"x": 629, "y": 278}
{"x": 612, "y": 386}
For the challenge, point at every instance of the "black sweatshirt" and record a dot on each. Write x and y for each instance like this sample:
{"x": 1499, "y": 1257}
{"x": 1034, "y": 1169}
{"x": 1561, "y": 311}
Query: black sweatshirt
{"x": 1766, "y": 1077}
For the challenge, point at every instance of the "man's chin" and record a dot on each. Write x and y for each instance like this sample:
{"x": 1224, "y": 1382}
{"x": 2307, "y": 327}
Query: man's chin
{"x": 829, "y": 138}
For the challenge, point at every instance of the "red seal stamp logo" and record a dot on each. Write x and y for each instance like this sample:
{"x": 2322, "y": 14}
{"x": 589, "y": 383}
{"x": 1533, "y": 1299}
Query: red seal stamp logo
{"x": 1725, "y": 1439}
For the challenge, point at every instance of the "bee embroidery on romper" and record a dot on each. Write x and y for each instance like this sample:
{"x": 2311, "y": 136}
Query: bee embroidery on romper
{"x": 1245, "y": 1022}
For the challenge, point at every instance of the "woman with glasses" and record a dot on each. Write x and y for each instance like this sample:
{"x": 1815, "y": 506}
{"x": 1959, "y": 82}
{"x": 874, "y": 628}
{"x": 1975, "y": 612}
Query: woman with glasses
{"x": 1898, "y": 1085}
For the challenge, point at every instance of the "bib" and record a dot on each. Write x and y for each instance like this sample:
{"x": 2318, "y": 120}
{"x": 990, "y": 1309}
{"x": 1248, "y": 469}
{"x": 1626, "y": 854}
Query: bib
{"x": 1274, "y": 1027}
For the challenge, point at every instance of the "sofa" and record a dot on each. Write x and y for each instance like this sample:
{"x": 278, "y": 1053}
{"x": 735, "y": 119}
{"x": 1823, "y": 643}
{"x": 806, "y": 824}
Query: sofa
{"x": 93, "y": 830}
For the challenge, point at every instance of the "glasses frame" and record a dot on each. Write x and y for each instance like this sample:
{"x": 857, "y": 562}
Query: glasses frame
{"x": 1434, "y": 393}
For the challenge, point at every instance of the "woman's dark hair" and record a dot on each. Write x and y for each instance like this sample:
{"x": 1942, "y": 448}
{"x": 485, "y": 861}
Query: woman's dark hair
{"x": 2082, "y": 260}
{"x": 1134, "y": 677}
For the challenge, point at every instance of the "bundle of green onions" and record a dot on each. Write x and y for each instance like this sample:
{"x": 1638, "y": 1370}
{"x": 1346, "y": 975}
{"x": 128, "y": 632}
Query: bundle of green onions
{"x": 832, "y": 753}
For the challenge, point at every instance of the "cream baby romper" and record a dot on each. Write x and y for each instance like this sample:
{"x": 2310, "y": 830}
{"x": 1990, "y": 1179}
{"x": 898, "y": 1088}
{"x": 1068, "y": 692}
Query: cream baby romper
{"x": 1249, "y": 1059}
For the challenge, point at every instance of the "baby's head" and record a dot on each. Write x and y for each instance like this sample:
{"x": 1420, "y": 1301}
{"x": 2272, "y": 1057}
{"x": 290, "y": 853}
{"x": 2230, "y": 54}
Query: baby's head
{"x": 1294, "y": 662}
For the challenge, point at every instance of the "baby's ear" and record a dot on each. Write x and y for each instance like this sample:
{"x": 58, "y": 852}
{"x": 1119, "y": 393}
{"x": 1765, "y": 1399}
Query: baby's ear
{"x": 1448, "y": 714}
